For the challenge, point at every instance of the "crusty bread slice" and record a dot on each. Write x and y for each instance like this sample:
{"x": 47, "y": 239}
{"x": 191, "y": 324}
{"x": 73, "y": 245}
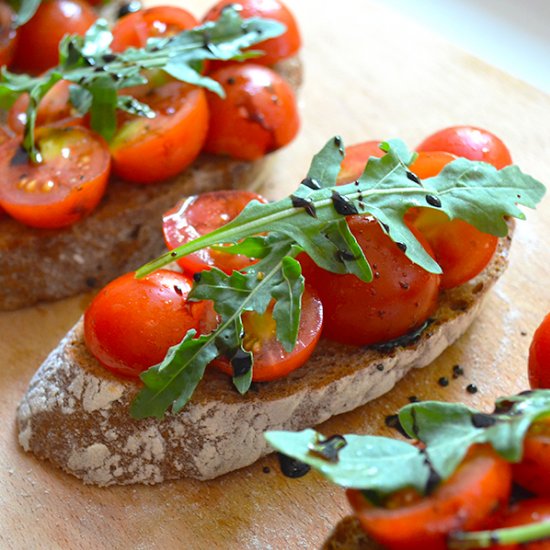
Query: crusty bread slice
{"x": 123, "y": 233}
{"x": 76, "y": 414}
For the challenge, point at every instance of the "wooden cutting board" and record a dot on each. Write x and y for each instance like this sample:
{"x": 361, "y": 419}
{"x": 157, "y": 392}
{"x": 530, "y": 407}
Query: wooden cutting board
{"x": 369, "y": 74}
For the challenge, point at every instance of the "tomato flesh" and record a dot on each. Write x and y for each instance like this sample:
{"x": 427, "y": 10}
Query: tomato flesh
{"x": 276, "y": 48}
{"x": 356, "y": 159}
{"x": 258, "y": 114}
{"x": 399, "y": 299}
{"x": 151, "y": 150}
{"x": 38, "y": 45}
{"x": 271, "y": 361}
{"x": 476, "y": 491}
{"x": 469, "y": 142}
{"x": 55, "y": 108}
{"x": 8, "y": 35}
{"x": 132, "y": 322}
{"x": 64, "y": 187}
{"x": 539, "y": 356}
{"x": 133, "y": 30}
{"x": 201, "y": 214}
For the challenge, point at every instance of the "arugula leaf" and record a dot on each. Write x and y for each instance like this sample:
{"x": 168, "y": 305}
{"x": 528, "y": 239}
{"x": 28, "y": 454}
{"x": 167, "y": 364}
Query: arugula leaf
{"x": 24, "y": 9}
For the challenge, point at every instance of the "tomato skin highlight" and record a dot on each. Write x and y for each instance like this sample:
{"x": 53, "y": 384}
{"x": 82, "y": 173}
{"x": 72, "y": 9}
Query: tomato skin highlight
{"x": 134, "y": 29}
{"x": 201, "y": 214}
{"x": 132, "y": 322}
{"x": 275, "y": 49}
{"x": 8, "y": 35}
{"x": 271, "y": 361}
{"x": 398, "y": 300}
{"x": 152, "y": 150}
{"x": 61, "y": 190}
{"x": 466, "y": 501}
{"x": 38, "y": 45}
{"x": 257, "y": 116}
{"x": 470, "y": 142}
{"x": 539, "y": 356}
{"x": 356, "y": 159}
{"x": 54, "y": 109}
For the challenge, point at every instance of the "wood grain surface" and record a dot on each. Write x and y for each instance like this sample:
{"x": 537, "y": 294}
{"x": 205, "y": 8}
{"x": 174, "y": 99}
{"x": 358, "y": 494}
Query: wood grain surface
{"x": 369, "y": 74}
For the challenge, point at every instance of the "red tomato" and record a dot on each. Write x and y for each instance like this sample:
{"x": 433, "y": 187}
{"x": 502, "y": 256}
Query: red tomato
{"x": 400, "y": 298}
{"x": 539, "y": 356}
{"x": 134, "y": 29}
{"x": 201, "y": 214}
{"x": 460, "y": 249}
{"x": 258, "y": 114}
{"x": 356, "y": 159}
{"x": 276, "y": 48}
{"x": 271, "y": 361}
{"x": 132, "y": 322}
{"x": 533, "y": 472}
{"x": 64, "y": 187}
{"x": 38, "y": 46}
{"x": 8, "y": 35}
{"x": 529, "y": 511}
{"x": 151, "y": 150}
{"x": 479, "y": 487}
{"x": 469, "y": 142}
{"x": 55, "y": 108}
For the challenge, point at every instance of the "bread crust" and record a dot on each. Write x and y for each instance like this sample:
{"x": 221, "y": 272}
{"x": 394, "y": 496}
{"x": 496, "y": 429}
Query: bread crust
{"x": 75, "y": 413}
{"x": 123, "y": 232}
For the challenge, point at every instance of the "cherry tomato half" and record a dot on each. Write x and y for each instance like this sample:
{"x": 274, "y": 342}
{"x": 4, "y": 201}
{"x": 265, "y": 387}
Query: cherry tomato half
{"x": 258, "y": 114}
{"x": 356, "y": 159}
{"x": 399, "y": 299}
{"x": 533, "y": 472}
{"x": 151, "y": 150}
{"x": 134, "y": 29}
{"x": 132, "y": 322}
{"x": 55, "y": 108}
{"x": 469, "y": 142}
{"x": 38, "y": 45}
{"x": 460, "y": 249}
{"x": 276, "y": 48}
{"x": 271, "y": 361}
{"x": 479, "y": 487}
{"x": 525, "y": 512}
{"x": 539, "y": 356}
{"x": 64, "y": 187}
{"x": 201, "y": 214}
{"x": 8, "y": 35}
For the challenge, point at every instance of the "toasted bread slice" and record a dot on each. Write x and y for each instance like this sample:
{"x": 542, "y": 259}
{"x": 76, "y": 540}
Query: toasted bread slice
{"x": 348, "y": 535}
{"x": 76, "y": 414}
{"x": 124, "y": 232}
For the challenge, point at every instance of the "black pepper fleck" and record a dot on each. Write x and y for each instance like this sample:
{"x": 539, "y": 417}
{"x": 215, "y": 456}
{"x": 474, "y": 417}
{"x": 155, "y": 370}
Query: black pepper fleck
{"x": 443, "y": 381}
{"x": 266, "y": 469}
{"x": 471, "y": 388}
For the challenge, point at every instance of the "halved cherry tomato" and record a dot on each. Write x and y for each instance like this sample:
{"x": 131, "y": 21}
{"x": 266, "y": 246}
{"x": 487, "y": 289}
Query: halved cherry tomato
{"x": 460, "y": 249}
{"x": 539, "y": 356}
{"x": 201, "y": 214}
{"x": 55, "y": 108}
{"x": 258, "y": 114}
{"x": 356, "y": 159}
{"x": 132, "y": 322}
{"x": 399, "y": 299}
{"x": 525, "y": 512}
{"x": 276, "y": 48}
{"x": 151, "y": 150}
{"x": 476, "y": 491}
{"x": 533, "y": 472}
{"x": 271, "y": 361}
{"x": 8, "y": 35}
{"x": 64, "y": 187}
{"x": 38, "y": 45}
{"x": 135, "y": 29}
{"x": 469, "y": 142}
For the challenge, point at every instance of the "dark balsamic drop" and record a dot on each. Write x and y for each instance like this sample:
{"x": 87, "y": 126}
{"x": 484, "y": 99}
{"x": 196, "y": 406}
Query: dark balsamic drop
{"x": 413, "y": 177}
{"x": 457, "y": 371}
{"x": 329, "y": 448}
{"x": 392, "y": 421}
{"x": 306, "y": 204}
{"x": 339, "y": 144}
{"x": 196, "y": 276}
{"x": 405, "y": 340}
{"x": 128, "y": 7}
{"x": 344, "y": 256}
{"x": 402, "y": 247}
{"x": 266, "y": 469}
{"x": 178, "y": 290}
{"x": 386, "y": 227}
{"x": 480, "y": 420}
{"x": 471, "y": 388}
{"x": 290, "y": 467}
{"x": 241, "y": 362}
{"x": 311, "y": 183}
{"x": 343, "y": 205}
{"x": 443, "y": 381}
{"x": 413, "y": 399}
{"x": 433, "y": 201}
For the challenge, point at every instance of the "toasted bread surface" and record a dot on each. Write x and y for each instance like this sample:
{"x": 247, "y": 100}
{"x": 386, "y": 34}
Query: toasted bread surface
{"x": 76, "y": 414}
